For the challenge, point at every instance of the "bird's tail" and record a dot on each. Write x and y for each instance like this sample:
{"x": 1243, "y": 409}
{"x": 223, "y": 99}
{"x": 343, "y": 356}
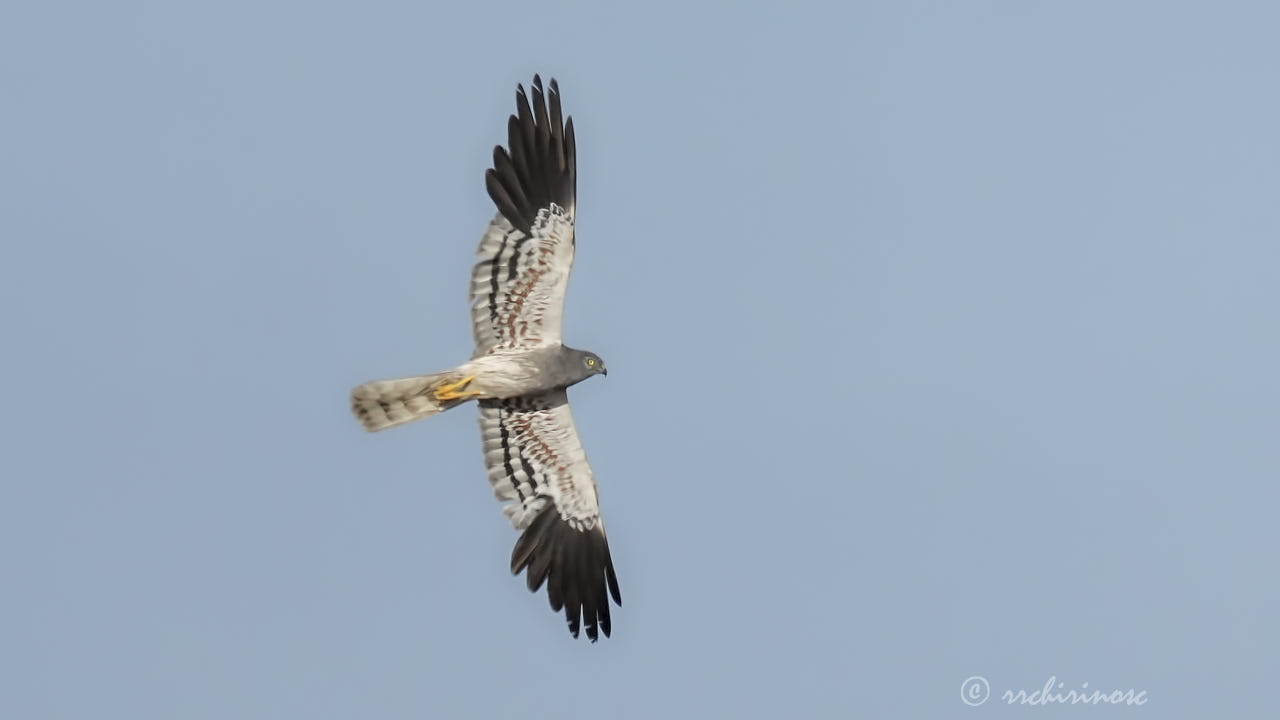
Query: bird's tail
{"x": 381, "y": 404}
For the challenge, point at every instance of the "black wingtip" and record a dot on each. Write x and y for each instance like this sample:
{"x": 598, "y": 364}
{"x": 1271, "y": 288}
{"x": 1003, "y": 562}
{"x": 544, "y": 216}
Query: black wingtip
{"x": 542, "y": 156}
{"x": 576, "y": 567}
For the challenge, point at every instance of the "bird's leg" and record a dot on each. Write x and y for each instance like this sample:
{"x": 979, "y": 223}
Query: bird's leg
{"x": 457, "y": 390}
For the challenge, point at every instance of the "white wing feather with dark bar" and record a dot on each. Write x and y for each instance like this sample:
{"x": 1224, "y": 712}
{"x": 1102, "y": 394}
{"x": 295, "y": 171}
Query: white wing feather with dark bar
{"x": 518, "y": 286}
{"x": 538, "y": 468}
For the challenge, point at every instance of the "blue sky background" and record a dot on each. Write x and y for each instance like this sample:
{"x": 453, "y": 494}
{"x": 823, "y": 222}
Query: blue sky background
{"x": 942, "y": 337}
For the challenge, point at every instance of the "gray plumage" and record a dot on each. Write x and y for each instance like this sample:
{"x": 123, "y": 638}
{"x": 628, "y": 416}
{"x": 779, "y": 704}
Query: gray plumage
{"x": 565, "y": 366}
{"x": 520, "y": 369}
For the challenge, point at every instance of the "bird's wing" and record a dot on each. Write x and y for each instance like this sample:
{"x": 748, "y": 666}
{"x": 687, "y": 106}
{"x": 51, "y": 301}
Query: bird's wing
{"x": 538, "y": 468}
{"x": 518, "y": 285}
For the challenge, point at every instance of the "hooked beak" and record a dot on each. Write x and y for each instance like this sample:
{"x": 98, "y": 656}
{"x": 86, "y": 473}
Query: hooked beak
{"x": 604, "y": 370}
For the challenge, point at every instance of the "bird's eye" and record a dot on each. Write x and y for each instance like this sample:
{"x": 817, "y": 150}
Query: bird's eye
{"x": 591, "y": 362}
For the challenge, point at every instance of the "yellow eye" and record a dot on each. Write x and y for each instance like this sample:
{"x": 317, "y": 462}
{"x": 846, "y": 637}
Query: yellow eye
{"x": 591, "y": 362}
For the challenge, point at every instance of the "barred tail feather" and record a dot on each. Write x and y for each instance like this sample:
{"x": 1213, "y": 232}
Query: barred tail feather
{"x": 382, "y": 404}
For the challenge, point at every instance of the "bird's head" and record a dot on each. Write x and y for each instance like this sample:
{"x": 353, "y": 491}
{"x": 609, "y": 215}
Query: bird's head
{"x": 574, "y": 366}
{"x": 592, "y": 363}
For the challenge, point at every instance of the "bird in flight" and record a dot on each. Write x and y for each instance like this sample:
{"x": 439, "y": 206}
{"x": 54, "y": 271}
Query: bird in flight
{"x": 520, "y": 370}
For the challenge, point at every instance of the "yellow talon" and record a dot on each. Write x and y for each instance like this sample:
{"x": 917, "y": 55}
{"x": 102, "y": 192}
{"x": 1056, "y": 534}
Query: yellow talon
{"x": 457, "y": 391}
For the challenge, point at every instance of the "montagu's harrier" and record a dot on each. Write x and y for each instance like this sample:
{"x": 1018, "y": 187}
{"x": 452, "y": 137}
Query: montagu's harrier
{"x": 520, "y": 369}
